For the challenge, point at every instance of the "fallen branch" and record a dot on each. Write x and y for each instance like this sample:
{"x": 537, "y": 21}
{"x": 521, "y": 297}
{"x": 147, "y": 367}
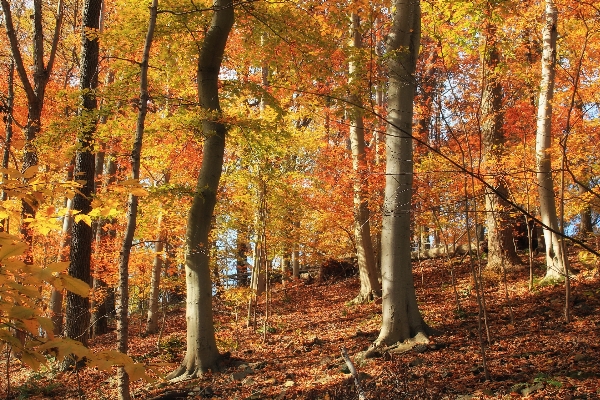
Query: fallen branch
{"x": 361, "y": 393}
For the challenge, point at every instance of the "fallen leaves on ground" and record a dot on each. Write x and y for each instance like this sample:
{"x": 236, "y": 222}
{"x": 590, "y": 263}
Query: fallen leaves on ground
{"x": 297, "y": 354}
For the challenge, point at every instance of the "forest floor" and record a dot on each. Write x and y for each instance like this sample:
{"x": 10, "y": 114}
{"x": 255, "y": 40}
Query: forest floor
{"x": 537, "y": 355}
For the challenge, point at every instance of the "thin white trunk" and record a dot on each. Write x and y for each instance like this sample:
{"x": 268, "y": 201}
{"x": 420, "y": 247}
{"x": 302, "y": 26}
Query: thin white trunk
{"x": 555, "y": 259}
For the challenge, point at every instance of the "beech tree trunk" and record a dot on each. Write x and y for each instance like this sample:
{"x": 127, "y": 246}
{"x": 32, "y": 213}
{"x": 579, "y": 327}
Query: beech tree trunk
{"x": 202, "y": 353}
{"x": 369, "y": 285}
{"x": 77, "y": 319}
{"x": 401, "y": 316}
{"x": 501, "y": 249}
{"x": 555, "y": 257}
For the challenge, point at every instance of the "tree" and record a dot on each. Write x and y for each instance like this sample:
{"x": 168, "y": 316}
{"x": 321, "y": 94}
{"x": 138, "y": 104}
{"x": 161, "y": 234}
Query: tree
{"x": 132, "y": 209}
{"x": 36, "y": 90}
{"x": 78, "y": 308}
{"x": 556, "y": 261}
{"x": 202, "y": 353}
{"x": 501, "y": 250}
{"x": 369, "y": 285}
{"x": 402, "y": 319}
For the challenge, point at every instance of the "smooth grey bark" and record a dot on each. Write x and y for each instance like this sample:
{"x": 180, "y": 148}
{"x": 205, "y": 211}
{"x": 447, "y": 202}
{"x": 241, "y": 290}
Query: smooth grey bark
{"x": 202, "y": 353}
{"x": 555, "y": 257}
{"x": 77, "y": 315}
{"x": 132, "y": 207}
{"x": 369, "y": 285}
{"x": 402, "y": 319}
{"x": 501, "y": 250}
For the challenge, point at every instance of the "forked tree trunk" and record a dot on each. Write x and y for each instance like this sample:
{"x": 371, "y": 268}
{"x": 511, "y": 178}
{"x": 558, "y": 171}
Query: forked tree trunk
{"x": 35, "y": 92}
{"x": 501, "y": 250}
{"x": 77, "y": 319}
{"x": 202, "y": 353}
{"x": 402, "y": 319}
{"x": 555, "y": 257}
{"x": 132, "y": 207}
{"x": 369, "y": 285}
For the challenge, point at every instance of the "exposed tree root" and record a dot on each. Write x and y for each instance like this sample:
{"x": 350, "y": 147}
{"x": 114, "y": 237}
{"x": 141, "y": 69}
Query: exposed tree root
{"x": 183, "y": 373}
{"x": 363, "y": 298}
{"x": 379, "y": 347}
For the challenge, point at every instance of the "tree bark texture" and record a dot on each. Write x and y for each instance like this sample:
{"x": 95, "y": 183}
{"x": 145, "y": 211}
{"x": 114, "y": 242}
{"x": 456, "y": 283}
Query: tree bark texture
{"x": 555, "y": 259}
{"x": 501, "y": 249}
{"x": 78, "y": 308}
{"x": 202, "y": 353}
{"x": 369, "y": 285}
{"x": 401, "y": 316}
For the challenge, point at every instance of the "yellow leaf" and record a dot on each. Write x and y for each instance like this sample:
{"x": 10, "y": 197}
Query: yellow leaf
{"x": 18, "y": 312}
{"x": 32, "y": 359}
{"x": 58, "y": 266}
{"x": 85, "y": 218}
{"x": 65, "y": 347}
{"x": 75, "y": 285}
{"x": 30, "y": 172}
{"x": 137, "y": 371}
{"x": 140, "y": 192}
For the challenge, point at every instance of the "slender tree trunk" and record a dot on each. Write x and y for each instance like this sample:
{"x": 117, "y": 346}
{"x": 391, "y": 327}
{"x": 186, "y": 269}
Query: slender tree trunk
{"x": 8, "y": 127}
{"x": 585, "y": 216}
{"x": 78, "y": 308}
{"x": 501, "y": 249}
{"x": 296, "y": 251}
{"x": 242, "y": 257}
{"x": 401, "y": 316}
{"x": 132, "y": 207}
{"x": 369, "y": 285}
{"x": 202, "y": 353}
{"x": 152, "y": 320}
{"x": 104, "y": 239}
{"x": 555, "y": 259}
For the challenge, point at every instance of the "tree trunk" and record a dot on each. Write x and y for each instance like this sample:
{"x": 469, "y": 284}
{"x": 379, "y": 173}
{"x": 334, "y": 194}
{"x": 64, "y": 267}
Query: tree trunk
{"x": 104, "y": 238}
{"x": 585, "y": 215}
{"x": 401, "y": 316}
{"x": 242, "y": 257}
{"x": 501, "y": 249}
{"x": 202, "y": 353}
{"x": 152, "y": 320}
{"x": 78, "y": 308}
{"x": 132, "y": 207}
{"x": 369, "y": 285}
{"x": 555, "y": 259}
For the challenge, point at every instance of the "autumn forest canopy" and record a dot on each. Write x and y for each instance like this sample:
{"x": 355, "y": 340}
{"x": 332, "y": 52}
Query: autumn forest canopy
{"x": 215, "y": 155}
